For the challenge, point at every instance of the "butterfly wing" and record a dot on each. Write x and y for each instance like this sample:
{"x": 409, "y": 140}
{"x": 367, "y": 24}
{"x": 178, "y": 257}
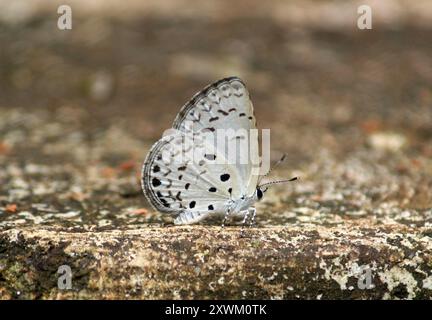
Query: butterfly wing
{"x": 180, "y": 176}
{"x": 226, "y": 105}
{"x": 195, "y": 186}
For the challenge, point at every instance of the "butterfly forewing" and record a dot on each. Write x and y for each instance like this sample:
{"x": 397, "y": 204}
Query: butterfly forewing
{"x": 225, "y": 106}
{"x": 221, "y": 105}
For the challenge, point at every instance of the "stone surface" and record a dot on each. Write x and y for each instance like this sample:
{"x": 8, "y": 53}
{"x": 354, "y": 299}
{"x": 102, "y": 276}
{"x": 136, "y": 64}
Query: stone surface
{"x": 352, "y": 261}
{"x": 352, "y": 109}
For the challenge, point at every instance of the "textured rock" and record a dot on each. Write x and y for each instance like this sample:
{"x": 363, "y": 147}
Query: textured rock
{"x": 209, "y": 263}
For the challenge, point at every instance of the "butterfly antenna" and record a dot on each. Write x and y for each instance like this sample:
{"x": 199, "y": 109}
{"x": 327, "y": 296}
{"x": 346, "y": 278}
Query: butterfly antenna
{"x": 282, "y": 159}
{"x": 277, "y": 182}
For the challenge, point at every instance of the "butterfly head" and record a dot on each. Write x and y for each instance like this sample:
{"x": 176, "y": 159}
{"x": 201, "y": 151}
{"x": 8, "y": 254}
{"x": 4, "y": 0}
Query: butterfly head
{"x": 261, "y": 189}
{"x": 259, "y": 193}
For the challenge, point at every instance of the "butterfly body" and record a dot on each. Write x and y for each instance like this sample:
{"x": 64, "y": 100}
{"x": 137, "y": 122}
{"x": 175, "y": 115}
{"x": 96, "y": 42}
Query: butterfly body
{"x": 236, "y": 209}
{"x": 243, "y": 203}
{"x": 189, "y": 174}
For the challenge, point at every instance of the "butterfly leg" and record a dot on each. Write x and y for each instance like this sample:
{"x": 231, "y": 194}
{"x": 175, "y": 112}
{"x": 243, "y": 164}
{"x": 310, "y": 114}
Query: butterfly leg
{"x": 246, "y": 215}
{"x": 227, "y": 213}
{"x": 252, "y": 220}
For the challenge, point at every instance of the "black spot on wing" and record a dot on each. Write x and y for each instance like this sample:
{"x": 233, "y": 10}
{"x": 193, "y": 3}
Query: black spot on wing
{"x": 224, "y": 177}
{"x": 210, "y": 207}
{"x": 223, "y": 112}
{"x": 165, "y": 203}
{"x": 192, "y": 204}
{"x": 156, "y": 182}
{"x": 210, "y": 156}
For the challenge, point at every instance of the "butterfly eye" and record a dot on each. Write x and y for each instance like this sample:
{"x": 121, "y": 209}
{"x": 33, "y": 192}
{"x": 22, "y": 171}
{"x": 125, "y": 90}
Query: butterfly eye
{"x": 259, "y": 194}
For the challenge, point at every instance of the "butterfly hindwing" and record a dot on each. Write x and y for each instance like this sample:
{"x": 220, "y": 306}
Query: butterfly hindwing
{"x": 174, "y": 180}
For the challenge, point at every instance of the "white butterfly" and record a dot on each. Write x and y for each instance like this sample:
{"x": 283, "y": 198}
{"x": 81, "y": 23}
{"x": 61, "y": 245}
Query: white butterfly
{"x": 207, "y": 184}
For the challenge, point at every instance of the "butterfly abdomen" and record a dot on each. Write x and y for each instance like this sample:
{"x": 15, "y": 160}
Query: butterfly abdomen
{"x": 189, "y": 217}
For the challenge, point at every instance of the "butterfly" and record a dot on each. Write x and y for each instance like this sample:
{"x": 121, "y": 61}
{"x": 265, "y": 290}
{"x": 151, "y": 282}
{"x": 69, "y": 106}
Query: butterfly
{"x": 187, "y": 173}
